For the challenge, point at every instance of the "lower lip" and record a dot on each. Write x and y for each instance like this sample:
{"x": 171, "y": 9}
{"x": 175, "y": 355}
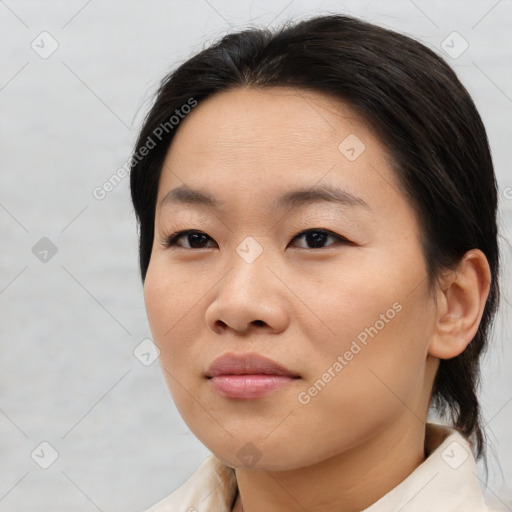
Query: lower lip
{"x": 249, "y": 386}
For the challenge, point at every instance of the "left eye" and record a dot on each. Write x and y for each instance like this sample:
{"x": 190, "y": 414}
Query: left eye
{"x": 317, "y": 237}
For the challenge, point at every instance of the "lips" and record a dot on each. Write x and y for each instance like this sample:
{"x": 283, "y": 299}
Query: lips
{"x": 247, "y": 364}
{"x": 248, "y": 376}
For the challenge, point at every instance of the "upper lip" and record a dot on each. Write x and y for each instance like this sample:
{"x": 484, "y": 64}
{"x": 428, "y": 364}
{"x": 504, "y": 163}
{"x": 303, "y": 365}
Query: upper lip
{"x": 244, "y": 364}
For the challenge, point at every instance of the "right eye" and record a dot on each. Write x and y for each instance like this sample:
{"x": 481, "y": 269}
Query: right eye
{"x": 194, "y": 238}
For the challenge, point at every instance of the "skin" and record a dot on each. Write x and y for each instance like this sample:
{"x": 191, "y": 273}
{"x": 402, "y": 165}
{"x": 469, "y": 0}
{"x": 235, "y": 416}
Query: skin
{"x": 301, "y": 306}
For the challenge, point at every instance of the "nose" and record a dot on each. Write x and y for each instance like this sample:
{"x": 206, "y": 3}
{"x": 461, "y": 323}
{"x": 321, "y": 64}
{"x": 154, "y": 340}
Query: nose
{"x": 248, "y": 298}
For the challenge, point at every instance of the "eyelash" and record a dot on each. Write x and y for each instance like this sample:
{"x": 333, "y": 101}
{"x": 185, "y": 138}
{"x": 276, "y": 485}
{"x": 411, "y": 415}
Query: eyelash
{"x": 170, "y": 240}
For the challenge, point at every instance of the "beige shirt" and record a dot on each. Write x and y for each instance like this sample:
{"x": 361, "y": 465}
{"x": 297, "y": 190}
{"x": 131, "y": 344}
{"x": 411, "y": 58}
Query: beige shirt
{"x": 445, "y": 482}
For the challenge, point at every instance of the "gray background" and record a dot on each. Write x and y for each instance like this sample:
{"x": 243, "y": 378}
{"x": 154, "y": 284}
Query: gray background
{"x": 70, "y": 323}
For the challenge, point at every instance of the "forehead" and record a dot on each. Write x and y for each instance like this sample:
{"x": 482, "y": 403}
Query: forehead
{"x": 243, "y": 119}
{"x": 272, "y": 139}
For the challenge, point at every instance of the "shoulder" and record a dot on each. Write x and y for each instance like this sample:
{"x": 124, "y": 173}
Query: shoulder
{"x": 211, "y": 487}
{"x": 446, "y": 481}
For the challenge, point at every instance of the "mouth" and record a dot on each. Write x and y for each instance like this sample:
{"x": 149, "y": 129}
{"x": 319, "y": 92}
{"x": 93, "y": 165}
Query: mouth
{"x": 248, "y": 376}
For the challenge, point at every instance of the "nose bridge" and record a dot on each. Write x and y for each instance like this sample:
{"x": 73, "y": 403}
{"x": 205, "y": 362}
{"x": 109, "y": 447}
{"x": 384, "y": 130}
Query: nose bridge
{"x": 248, "y": 264}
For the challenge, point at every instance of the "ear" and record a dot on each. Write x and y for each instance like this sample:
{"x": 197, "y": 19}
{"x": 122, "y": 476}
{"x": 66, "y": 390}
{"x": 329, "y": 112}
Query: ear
{"x": 460, "y": 305}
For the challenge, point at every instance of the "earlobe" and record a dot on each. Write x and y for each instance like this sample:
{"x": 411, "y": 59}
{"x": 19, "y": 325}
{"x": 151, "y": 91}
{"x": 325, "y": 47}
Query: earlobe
{"x": 460, "y": 305}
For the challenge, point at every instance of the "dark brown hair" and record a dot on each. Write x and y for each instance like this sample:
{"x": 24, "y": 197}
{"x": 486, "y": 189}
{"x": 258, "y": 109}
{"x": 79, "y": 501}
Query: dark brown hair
{"x": 417, "y": 107}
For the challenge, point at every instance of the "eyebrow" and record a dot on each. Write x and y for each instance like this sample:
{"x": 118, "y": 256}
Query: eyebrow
{"x": 293, "y": 199}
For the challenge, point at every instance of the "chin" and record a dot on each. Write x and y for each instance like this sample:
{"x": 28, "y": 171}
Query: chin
{"x": 263, "y": 455}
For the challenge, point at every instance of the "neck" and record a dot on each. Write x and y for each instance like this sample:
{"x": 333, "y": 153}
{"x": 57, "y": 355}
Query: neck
{"x": 347, "y": 482}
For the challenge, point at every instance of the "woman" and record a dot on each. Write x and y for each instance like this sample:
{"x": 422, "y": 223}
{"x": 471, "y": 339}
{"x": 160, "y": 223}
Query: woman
{"x": 318, "y": 246}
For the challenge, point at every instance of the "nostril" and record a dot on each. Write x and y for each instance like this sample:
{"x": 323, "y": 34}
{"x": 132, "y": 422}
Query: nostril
{"x": 259, "y": 322}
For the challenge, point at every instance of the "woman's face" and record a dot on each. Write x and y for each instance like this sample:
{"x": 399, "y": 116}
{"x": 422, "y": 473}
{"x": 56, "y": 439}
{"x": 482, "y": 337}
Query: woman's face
{"x": 346, "y": 310}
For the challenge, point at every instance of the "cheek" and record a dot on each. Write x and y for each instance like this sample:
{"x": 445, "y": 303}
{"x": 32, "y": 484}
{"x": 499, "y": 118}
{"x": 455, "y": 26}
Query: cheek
{"x": 379, "y": 363}
{"x": 159, "y": 301}
{"x": 378, "y": 323}
{"x": 168, "y": 309}
{"x": 175, "y": 310}
{"x": 169, "y": 297}
{"x": 350, "y": 302}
